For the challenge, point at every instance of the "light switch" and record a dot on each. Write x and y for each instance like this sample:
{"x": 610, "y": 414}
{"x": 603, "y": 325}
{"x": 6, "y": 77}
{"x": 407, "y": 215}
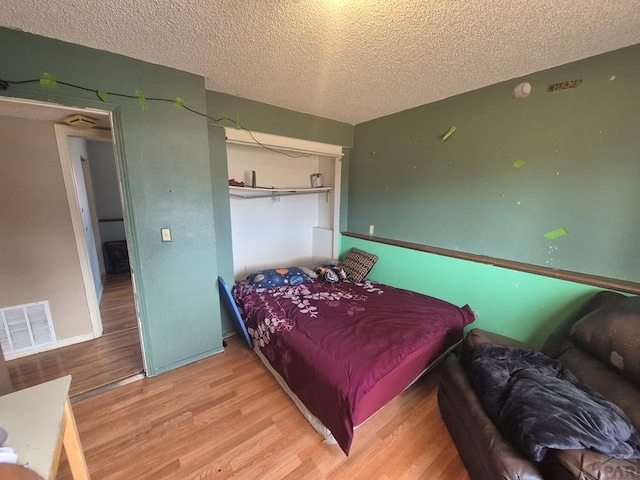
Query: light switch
{"x": 166, "y": 234}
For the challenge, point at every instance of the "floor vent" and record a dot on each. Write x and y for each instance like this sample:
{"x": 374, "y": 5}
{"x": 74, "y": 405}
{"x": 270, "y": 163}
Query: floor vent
{"x": 24, "y": 327}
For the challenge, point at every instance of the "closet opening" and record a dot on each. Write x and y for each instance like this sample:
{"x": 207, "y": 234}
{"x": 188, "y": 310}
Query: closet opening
{"x": 284, "y": 200}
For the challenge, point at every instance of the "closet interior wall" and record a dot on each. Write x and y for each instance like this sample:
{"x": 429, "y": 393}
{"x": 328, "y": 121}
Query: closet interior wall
{"x": 292, "y": 225}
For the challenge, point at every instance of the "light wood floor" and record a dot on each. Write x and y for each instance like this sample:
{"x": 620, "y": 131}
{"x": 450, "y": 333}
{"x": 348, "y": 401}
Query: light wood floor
{"x": 118, "y": 308}
{"x": 225, "y": 417}
{"x": 114, "y": 356}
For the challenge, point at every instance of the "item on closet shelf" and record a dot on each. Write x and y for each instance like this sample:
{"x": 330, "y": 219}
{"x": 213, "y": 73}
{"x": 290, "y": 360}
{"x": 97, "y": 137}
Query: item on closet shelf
{"x": 316, "y": 180}
{"x": 234, "y": 183}
{"x": 253, "y": 179}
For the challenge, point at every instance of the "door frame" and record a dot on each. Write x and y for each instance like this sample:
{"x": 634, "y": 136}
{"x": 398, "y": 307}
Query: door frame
{"x": 91, "y": 108}
{"x": 63, "y": 132}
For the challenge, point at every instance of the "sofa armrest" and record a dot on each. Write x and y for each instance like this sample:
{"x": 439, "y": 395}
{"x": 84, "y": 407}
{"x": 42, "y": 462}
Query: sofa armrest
{"x": 477, "y": 337}
{"x": 486, "y": 453}
{"x": 587, "y": 464}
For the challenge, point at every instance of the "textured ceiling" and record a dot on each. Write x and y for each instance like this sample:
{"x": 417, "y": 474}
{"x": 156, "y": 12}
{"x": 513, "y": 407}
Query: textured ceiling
{"x": 348, "y": 60}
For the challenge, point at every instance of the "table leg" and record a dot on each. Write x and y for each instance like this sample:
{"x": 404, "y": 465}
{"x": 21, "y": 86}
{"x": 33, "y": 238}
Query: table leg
{"x": 72, "y": 446}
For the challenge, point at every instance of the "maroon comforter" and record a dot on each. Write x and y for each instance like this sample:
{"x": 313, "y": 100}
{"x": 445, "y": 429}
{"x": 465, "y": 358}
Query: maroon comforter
{"x": 332, "y": 343}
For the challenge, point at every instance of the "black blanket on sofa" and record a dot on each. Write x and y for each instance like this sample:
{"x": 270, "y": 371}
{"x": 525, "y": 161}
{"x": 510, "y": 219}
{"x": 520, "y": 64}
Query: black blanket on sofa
{"x": 538, "y": 405}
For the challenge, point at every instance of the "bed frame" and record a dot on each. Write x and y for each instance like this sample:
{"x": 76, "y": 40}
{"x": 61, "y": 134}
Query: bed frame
{"x": 371, "y": 416}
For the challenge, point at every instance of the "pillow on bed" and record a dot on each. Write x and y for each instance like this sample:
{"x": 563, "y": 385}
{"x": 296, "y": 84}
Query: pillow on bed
{"x": 309, "y": 271}
{"x": 358, "y": 263}
{"x": 331, "y": 273}
{"x": 279, "y": 277}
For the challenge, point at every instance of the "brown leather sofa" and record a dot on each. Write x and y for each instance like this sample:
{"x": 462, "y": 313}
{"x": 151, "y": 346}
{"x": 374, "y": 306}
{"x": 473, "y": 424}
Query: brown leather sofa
{"x": 600, "y": 345}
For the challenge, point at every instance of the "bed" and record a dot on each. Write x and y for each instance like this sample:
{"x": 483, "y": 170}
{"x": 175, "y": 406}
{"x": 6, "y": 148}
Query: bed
{"x": 344, "y": 350}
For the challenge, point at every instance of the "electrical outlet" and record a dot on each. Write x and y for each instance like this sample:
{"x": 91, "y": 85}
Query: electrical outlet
{"x": 371, "y": 228}
{"x": 166, "y": 234}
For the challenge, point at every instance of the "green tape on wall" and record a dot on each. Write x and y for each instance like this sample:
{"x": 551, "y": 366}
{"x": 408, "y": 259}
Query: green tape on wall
{"x": 559, "y": 232}
{"x": 48, "y": 81}
{"x": 450, "y": 132}
{"x": 144, "y": 106}
{"x": 519, "y": 163}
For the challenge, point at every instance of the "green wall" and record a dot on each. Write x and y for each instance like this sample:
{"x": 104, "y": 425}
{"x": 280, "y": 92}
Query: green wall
{"x": 219, "y": 184}
{"x": 266, "y": 118}
{"x": 261, "y": 117}
{"x": 581, "y": 172}
{"x": 163, "y": 158}
{"x": 521, "y": 305}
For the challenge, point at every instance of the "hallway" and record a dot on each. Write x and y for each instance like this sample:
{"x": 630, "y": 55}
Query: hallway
{"x": 113, "y": 357}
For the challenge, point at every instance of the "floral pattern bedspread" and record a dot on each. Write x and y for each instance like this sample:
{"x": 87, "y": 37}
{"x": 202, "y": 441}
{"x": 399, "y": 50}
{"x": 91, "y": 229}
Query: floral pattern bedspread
{"x": 332, "y": 343}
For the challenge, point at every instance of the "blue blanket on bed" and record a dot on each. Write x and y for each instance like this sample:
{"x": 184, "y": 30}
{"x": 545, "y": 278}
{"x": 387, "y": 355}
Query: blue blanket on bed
{"x": 538, "y": 405}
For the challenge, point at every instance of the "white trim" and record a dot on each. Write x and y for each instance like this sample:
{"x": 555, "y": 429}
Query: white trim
{"x": 51, "y": 105}
{"x": 50, "y": 346}
{"x": 244, "y": 137}
{"x": 337, "y": 197}
{"x": 62, "y": 134}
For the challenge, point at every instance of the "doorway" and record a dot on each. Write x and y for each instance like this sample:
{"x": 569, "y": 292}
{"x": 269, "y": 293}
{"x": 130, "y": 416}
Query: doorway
{"x": 56, "y": 239}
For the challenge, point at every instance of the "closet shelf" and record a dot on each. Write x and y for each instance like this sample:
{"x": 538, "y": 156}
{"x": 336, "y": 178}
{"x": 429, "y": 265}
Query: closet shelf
{"x": 261, "y": 192}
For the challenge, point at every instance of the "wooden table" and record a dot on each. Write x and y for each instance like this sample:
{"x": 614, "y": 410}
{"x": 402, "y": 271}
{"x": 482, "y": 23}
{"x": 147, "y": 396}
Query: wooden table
{"x": 40, "y": 421}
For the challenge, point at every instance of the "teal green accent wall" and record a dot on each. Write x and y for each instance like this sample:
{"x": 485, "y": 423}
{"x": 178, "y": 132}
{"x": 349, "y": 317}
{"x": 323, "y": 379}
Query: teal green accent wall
{"x": 521, "y": 305}
{"x": 581, "y": 172}
{"x": 163, "y": 158}
{"x": 266, "y": 118}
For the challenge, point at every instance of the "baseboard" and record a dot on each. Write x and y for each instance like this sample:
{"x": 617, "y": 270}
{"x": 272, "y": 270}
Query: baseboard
{"x": 106, "y": 388}
{"x": 51, "y": 346}
{"x": 184, "y": 362}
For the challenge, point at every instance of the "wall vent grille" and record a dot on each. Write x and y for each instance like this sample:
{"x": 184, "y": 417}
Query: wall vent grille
{"x": 24, "y": 327}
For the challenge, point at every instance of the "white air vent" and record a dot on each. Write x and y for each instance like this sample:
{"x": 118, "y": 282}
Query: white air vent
{"x": 24, "y": 327}
{"x": 81, "y": 121}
